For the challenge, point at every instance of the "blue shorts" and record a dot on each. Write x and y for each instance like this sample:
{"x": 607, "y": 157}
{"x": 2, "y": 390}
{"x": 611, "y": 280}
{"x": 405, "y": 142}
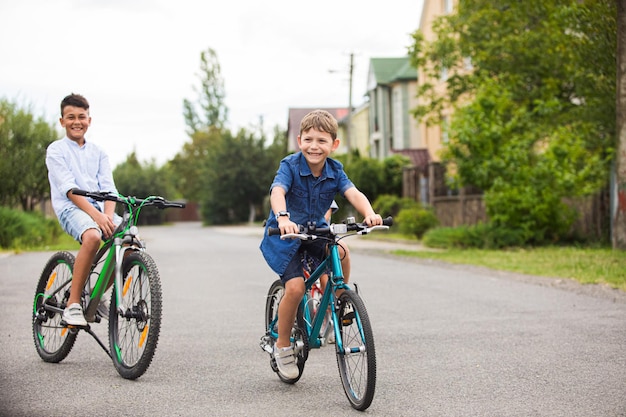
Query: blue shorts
{"x": 315, "y": 249}
{"x": 75, "y": 222}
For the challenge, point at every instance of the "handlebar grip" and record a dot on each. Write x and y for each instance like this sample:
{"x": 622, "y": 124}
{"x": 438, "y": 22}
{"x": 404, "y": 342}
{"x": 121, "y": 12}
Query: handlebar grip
{"x": 78, "y": 191}
{"x": 388, "y": 221}
{"x": 272, "y": 231}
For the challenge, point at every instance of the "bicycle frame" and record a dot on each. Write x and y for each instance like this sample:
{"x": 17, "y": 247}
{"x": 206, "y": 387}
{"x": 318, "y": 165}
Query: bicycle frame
{"x": 331, "y": 265}
{"x": 115, "y": 248}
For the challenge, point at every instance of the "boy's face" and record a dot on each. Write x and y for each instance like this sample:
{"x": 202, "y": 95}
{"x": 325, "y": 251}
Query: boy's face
{"x": 76, "y": 121}
{"x": 316, "y": 146}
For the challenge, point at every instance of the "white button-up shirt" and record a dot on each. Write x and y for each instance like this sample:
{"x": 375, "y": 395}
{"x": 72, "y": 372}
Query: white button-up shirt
{"x": 72, "y": 166}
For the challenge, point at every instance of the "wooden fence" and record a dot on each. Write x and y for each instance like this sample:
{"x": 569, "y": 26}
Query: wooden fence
{"x": 466, "y": 206}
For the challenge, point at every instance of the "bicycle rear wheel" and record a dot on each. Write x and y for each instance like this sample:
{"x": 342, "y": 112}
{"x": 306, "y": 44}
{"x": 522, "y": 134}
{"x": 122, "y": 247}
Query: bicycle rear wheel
{"x": 274, "y": 295}
{"x": 53, "y": 341}
{"x": 356, "y": 355}
{"x": 134, "y": 333}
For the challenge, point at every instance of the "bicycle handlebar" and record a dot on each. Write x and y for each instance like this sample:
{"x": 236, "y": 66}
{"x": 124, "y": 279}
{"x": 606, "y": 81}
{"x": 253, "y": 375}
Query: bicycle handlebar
{"x": 157, "y": 201}
{"x": 312, "y": 232}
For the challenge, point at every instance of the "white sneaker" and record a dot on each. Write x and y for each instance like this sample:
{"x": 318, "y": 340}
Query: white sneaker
{"x": 104, "y": 305}
{"x": 286, "y": 362}
{"x": 73, "y": 315}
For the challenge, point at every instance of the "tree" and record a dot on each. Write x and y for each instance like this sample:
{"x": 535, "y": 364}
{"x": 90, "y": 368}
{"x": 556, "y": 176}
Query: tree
{"x": 23, "y": 142}
{"x": 241, "y": 170}
{"x": 191, "y": 165}
{"x": 531, "y": 86}
{"x": 212, "y": 112}
{"x": 141, "y": 180}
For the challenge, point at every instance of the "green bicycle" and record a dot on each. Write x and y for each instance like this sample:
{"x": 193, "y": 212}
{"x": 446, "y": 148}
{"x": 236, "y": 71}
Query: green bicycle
{"x": 353, "y": 336}
{"x": 135, "y": 311}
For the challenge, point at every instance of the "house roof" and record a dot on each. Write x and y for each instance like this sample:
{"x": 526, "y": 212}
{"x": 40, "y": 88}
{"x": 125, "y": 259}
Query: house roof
{"x": 420, "y": 158}
{"x": 389, "y": 70}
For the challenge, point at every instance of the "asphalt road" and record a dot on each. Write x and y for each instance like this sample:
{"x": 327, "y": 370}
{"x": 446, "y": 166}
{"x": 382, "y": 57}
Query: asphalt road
{"x": 450, "y": 341}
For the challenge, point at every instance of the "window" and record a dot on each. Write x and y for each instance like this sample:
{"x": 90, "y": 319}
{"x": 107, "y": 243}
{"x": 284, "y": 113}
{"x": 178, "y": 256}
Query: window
{"x": 444, "y": 130}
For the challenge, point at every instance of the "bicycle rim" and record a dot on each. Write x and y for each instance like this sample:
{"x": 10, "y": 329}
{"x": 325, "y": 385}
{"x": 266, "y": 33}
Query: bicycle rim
{"x": 356, "y": 355}
{"x": 134, "y": 333}
{"x": 53, "y": 342}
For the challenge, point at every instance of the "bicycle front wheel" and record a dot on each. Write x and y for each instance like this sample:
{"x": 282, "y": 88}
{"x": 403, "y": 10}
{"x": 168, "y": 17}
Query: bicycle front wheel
{"x": 356, "y": 355}
{"x": 52, "y": 340}
{"x": 134, "y": 332}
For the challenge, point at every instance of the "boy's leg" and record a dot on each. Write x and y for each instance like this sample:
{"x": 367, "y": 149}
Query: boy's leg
{"x": 88, "y": 248}
{"x": 294, "y": 291}
{"x": 84, "y": 229}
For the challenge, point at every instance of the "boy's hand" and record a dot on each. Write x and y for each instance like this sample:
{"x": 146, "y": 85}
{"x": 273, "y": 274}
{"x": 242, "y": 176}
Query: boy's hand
{"x": 105, "y": 223}
{"x": 373, "y": 220}
{"x": 286, "y": 226}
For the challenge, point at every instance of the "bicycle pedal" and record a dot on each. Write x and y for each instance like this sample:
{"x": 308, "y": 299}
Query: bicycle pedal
{"x": 73, "y": 326}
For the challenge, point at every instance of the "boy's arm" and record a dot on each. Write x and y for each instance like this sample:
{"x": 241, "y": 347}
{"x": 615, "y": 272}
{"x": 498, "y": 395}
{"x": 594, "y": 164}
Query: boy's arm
{"x": 360, "y": 202}
{"x": 278, "y": 203}
{"x": 104, "y": 221}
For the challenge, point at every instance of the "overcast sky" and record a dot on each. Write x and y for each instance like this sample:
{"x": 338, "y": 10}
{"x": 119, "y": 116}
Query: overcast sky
{"x": 136, "y": 60}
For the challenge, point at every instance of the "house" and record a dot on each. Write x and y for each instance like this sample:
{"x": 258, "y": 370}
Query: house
{"x": 434, "y": 137}
{"x": 392, "y": 91}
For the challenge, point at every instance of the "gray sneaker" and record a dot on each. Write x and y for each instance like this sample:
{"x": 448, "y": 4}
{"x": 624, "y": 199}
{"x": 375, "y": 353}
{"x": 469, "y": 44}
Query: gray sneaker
{"x": 286, "y": 362}
{"x": 73, "y": 315}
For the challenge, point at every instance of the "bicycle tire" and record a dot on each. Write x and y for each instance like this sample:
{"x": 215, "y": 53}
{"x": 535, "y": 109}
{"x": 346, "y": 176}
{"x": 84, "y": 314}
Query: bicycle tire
{"x": 274, "y": 295}
{"x": 134, "y": 333}
{"x": 357, "y": 368}
{"x": 53, "y": 341}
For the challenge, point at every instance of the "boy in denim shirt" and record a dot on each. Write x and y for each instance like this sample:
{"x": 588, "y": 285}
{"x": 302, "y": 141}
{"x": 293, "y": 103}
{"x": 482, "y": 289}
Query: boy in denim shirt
{"x": 302, "y": 191}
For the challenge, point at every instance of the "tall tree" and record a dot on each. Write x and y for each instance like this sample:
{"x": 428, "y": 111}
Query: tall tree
{"x": 531, "y": 84}
{"x": 209, "y": 111}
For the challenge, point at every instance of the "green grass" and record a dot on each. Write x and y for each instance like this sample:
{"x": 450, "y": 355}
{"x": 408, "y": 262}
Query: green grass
{"x": 64, "y": 242}
{"x": 585, "y": 265}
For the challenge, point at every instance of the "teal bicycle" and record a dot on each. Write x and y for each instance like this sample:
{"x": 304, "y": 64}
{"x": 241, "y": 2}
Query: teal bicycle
{"x": 135, "y": 310}
{"x": 349, "y": 321}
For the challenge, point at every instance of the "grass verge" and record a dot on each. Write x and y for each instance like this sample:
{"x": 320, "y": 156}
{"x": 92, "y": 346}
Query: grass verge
{"x": 585, "y": 265}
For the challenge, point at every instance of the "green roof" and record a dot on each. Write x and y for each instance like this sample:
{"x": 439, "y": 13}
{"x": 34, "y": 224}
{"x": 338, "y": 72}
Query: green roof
{"x": 388, "y": 70}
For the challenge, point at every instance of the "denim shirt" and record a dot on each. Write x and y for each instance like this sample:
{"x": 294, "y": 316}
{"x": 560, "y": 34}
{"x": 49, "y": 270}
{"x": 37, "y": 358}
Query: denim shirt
{"x": 308, "y": 199}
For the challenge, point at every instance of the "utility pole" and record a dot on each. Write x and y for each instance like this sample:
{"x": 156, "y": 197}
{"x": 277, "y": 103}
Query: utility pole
{"x": 618, "y": 209}
{"x": 349, "y": 123}
{"x": 349, "y": 117}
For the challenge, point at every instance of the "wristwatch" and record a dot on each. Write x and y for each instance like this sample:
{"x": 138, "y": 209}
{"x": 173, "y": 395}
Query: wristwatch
{"x": 283, "y": 213}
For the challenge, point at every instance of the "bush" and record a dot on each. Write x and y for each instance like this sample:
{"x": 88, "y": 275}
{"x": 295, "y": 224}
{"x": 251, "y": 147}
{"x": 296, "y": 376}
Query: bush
{"x": 480, "y": 236}
{"x": 416, "y": 221}
{"x": 390, "y": 205}
{"x": 19, "y": 230}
